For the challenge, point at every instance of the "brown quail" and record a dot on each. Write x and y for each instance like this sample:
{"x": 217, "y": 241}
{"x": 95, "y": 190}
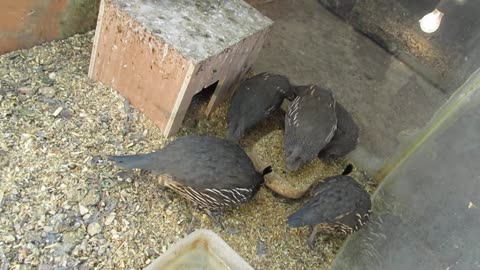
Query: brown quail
{"x": 310, "y": 124}
{"x": 256, "y": 98}
{"x": 337, "y": 205}
{"x": 211, "y": 172}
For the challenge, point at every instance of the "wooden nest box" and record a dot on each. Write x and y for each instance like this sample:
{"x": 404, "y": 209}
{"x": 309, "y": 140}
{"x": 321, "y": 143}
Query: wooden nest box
{"x": 159, "y": 53}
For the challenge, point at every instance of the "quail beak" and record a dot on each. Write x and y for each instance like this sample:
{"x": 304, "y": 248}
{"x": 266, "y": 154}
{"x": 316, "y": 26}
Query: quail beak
{"x": 292, "y": 163}
{"x": 231, "y": 137}
{"x": 293, "y": 159}
{"x": 234, "y": 134}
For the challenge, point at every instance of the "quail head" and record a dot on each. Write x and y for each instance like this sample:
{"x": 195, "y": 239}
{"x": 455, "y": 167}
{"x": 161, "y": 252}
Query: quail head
{"x": 337, "y": 205}
{"x": 256, "y": 98}
{"x": 310, "y": 124}
{"x": 211, "y": 172}
{"x": 345, "y": 138}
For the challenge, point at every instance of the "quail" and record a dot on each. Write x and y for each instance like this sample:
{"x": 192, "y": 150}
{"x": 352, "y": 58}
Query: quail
{"x": 345, "y": 138}
{"x": 211, "y": 172}
{"x": 256, "y": 98}
{"x": 310, "y": 124}
{"x": 337, "y": 205}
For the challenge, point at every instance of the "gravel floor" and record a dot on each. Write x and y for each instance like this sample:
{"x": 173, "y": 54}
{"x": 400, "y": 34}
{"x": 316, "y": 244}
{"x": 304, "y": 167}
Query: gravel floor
{"x": 60, "y": 208}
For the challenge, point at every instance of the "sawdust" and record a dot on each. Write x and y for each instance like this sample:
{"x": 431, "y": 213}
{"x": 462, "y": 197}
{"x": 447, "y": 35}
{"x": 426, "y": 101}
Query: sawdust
{"x": 61, "y": 207}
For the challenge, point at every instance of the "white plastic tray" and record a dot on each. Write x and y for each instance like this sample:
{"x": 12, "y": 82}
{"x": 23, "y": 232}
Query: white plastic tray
{"x": 202, "y": 249}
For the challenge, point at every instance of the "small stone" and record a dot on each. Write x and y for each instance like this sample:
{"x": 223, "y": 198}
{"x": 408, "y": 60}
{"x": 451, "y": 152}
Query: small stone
{"x": 261, "y": 249}
{"x": 52, "y": 237}
{"x": 41, "y": 134}
{"x": 83, "y": 210}
{"x": 110, "y": 219}
{"x": 25, "y": 90}
{"x": 52, "y": 75}
{"x": 47, "y": 91}
{"x": 94, "y": 228}
{"x": 74, "y": 237}
{"x": 66, "y": 206}
{"x": 45, "y": 267}
{"x": 77, "y": 250}
{"x": 66, "y": 113}
{"x": 46, "y": 80}
{"x": 114, "y": 234}
{"x": 232, "y": 230}
{"x": 92, "y": 198}
{"x": 9, "y": 238}
{"x": 101, "y": 250}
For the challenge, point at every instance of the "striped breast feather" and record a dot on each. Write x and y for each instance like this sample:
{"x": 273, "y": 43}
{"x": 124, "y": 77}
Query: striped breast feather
{"x": 231, "y": 196}
{"x": 202, "y": 199}
{"x": 212, "y": 197}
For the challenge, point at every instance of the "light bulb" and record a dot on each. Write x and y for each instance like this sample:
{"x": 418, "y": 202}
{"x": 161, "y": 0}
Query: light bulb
{"x": 430, "y": 22}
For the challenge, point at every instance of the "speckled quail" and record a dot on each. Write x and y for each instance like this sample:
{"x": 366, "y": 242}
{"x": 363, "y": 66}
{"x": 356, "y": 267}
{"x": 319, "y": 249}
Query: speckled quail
{"x": 310, "y": 124}
{"x": 211, "y": 172}
{"x": 345, "y": 138}
{"x": 254, "y": 100}
{"x": 337, "y": 205}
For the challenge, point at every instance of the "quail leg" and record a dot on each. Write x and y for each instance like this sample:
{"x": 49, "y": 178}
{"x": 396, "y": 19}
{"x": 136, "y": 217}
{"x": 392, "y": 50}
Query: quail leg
{"x": 214, "y": 217}
{"x": 191, "y": 224}
{"x": 124, "y": 175}
{"x": 164, "y": 189}
{"x": 311, "y": 238}
{"x": 164, "y": 195}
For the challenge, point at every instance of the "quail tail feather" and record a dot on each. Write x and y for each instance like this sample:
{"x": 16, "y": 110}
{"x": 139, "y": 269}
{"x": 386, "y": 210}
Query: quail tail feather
{"x": 143, "y": 161}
